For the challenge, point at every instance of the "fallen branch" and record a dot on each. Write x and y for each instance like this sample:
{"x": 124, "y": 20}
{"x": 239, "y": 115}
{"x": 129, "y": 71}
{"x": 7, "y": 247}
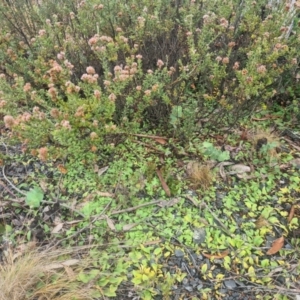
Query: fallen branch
{"x": 150, "y": 136}
{"x": 291, "y": 143}
{"x": 98, "y": 217}
{"x": 135, "y": 207}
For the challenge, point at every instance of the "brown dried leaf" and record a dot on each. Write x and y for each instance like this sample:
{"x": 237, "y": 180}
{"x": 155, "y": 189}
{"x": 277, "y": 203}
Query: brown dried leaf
{"x": 73, "y": 222}
{"x": 167, "y": 203}
{"x": 70, "y": 262}
{"x": 261, "y": 222}
{"x": 110, "y": 223}
{"x": 267, "y": 117}
{"x": 163, "y": 183}
{"x": 221, "y": 255}
{"x": 63, "y": 264}
{"x": 62, "y": 169}
{"x": 71, "y": 274}
{"x": 276, "y": 246}
{"x": 160, "y": 141}
{"x": 291, "y": 214}
{"x": 57, "y": 228}
{"x": 53, "y": 266}
{"x": 105, "y": 194}
{"x": 222, "y": 172}
{"x": 152, "y": 243}
{"x": 102, "y": 170}
{"x": 284, "y": 166}
{"x": 44, "y": 185}
{"x": 127, "y": 227}
{"x": 239, "y": 169}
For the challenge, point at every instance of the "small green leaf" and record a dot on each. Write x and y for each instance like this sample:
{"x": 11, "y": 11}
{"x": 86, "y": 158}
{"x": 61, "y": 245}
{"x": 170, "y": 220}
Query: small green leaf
{"x": 204, "y": 269}
{"x": 251, "y": 272}
{"x": 34, "y": 197}
{"x": 111, "y": 291}
{"x": 83, "y": 278}
{"x": 157, "y": 251}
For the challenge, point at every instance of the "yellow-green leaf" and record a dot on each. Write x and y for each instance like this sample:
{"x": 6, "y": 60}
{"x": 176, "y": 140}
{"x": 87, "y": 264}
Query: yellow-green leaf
{"x": 204, "y": 268}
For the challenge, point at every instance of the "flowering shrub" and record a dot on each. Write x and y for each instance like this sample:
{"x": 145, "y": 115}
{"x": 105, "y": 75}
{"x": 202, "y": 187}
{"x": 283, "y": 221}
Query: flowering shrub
{"x": 75, "y": 73}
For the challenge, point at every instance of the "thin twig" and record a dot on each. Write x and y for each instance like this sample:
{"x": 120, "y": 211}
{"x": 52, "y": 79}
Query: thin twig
{"x": 149, "y": 136}
{"x": 12, "y": 185}
{"x": 204, "y": 205}
{"x": 95, "y": 218}
{"x": 135, "y": 207}
{"x": 291, "y": 143}
{"x": 150, "y": 147}
{"x": 8, "y": 190}
{"x": 190, "y": 254}
{"x": 3, "y": 216}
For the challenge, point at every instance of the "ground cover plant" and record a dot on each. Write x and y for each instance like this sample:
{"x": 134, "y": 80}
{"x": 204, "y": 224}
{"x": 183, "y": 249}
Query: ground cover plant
{"x": 162, "y": 138}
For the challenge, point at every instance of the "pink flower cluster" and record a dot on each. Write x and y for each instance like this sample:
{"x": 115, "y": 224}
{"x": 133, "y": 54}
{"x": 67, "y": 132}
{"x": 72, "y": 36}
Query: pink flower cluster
{"x": 38, "y": 114}
{"x": 52, "y": 92}
{"x": 72, "y": 88}
{"x": 90, "y": 76}
{"x": 66, "y": 124}
{"x": 79, "y": 112}
{"x": 93, "y": 42}
{"x": 122, "y": 74}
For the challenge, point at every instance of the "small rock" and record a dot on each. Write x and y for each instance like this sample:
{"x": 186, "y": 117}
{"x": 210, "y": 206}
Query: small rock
{"x": 193, "y": 283}
{"x": 179, "y": 253}
{"x": 199, "y": 235}
{"x": 222, "y": 291}
{"x": 193, "y": 272}
{"x": 240, "y": 283}
{"x": 185, "y": 281}
{"x": 288, "y": 246}
{"x": 281, "y": 279}
{"x": 206, "y": 261}
{"x": 230, "y": 284}
{"x": 189, "y": 288}
{"x": 200, "y": 286}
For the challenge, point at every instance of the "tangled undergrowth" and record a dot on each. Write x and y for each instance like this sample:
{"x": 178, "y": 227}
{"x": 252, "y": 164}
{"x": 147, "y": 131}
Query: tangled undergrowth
{"x": 149, "y": 150}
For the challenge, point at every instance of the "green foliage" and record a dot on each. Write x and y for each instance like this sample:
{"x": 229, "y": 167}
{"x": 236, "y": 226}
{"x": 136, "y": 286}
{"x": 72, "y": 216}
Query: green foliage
{"x": 209, "y": 150}
{"x": 71, "y": 82}
{"x": 109, "y": 94}
{"x": 34, "y": 197}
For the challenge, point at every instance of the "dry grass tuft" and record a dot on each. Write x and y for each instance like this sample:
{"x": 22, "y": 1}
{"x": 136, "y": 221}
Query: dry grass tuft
{"x": 39, "y": 275}
{"x": 199, "y": 175}
{"x": 264, "y": 137}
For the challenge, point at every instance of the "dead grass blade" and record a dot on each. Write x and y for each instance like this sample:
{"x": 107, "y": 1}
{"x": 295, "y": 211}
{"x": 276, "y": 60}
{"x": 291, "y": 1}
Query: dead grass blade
{"x": 26, "y": 277}
{"x": 163, "y": 183}
{"x": 291, "y": 214}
